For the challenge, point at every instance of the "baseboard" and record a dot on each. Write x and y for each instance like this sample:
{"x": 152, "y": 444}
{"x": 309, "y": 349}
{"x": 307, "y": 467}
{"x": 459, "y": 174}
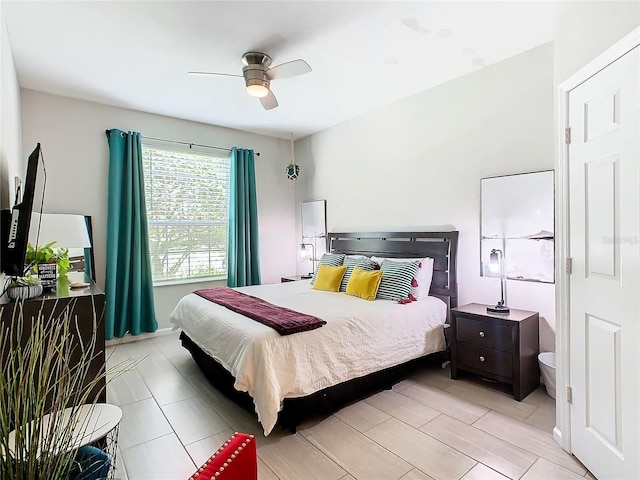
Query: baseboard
{"x": 557, "y": 435}
{"x": 143, "y": 336}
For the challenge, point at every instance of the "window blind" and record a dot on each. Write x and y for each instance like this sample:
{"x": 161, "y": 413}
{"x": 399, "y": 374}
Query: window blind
{"x": 187, "y": 195}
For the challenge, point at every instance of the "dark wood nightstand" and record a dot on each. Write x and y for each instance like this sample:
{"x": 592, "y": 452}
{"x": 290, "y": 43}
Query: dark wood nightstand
{"x": 496, "y": 346}
{"x": 294, "y": 278}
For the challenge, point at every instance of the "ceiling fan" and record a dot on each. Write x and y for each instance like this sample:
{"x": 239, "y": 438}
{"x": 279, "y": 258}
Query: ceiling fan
{"x": 257, "y": 75}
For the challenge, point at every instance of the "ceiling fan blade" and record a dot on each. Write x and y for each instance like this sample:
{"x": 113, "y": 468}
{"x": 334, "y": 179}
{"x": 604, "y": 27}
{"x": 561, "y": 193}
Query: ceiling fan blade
{"x": 289, "y": 69}
{"x": 214, "y": 74}
{"x": 269, "y": 101}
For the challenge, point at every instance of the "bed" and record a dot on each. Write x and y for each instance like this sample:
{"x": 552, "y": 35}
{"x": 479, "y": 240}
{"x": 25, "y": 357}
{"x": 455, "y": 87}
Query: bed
{"x": 364, "y": 347}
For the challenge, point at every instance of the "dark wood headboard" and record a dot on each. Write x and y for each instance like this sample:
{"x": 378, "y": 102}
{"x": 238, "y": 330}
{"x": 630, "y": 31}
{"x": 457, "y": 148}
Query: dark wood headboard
{"x": 441, "y": 246}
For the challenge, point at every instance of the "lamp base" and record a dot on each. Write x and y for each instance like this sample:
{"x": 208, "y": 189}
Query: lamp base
{"x": 498, "y": 309}
{"x": 306, "y": 277}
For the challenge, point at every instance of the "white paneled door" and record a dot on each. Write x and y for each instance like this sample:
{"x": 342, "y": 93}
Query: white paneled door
{"x": 604, "y": 286}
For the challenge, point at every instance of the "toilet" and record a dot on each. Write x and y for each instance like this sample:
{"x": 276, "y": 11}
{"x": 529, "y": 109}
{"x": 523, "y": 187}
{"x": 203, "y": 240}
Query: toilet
{"x": 547, "y": 361}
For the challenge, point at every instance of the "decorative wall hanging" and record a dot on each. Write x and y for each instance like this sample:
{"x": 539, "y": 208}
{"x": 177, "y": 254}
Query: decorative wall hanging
{"x": 517, "y": 218}
{"x": 292, "y": 170}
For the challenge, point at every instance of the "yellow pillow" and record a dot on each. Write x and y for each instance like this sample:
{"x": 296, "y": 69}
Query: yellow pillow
{"x": 329, "y": 277}
{"x": 364, "y": 283}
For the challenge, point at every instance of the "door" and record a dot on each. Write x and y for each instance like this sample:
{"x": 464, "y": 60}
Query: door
{"x": 604, "y": 287}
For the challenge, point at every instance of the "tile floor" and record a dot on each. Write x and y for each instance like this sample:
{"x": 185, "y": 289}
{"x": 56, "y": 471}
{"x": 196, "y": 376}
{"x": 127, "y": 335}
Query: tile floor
{"x": 427, "y": 427}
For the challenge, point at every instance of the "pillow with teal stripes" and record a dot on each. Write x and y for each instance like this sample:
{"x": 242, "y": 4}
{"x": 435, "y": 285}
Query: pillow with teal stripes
{"x": 351, "y": 262}
{"x": 331, "y": 259}
{"x": 396, "y": 280}
{"x": 420, "y": 289}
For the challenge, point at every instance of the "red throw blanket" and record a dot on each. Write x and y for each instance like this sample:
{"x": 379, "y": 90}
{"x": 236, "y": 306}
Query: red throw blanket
{"x": 282, "y": 320}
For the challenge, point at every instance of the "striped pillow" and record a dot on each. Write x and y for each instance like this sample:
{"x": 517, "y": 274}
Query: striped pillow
{"x": 331, "y": 259}
{"x": 424, "y": 276}
{"x": 364, "y": 263}
{"x": 395, "y": 283}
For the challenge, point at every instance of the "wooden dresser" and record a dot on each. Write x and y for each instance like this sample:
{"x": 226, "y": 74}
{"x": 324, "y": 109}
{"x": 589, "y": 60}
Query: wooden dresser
{"x": 496, "y": 346}
{"x": 81, "y": 303}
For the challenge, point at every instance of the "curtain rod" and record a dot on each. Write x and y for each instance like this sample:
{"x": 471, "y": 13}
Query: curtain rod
{"x": 257, "y": 154}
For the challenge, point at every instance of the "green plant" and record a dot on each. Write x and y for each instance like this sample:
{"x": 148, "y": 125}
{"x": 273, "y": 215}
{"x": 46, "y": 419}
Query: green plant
{"x": 27, "y": 280}
{"x": 48, "y": 254}
{"x": 44, "y": 371}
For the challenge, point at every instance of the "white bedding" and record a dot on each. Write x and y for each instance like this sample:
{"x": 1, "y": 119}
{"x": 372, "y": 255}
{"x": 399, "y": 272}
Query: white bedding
{"x": 360, "y": 337}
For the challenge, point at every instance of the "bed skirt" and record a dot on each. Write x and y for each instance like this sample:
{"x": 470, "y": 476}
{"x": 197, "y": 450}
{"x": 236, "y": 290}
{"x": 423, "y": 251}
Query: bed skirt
{"x": 325, "y": 401}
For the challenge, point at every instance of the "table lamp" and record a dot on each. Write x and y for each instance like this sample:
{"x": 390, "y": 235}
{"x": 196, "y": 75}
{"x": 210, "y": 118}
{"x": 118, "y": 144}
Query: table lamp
{"x": 496, "y": 264}
{"x": 304, "y": 253}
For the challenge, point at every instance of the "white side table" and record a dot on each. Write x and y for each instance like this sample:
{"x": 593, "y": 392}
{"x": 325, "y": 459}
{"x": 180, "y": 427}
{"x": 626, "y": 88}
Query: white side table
{"x": 96, "y": 424}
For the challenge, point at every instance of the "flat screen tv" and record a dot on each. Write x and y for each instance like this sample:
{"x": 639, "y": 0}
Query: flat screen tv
{"x": 15, "y": 224}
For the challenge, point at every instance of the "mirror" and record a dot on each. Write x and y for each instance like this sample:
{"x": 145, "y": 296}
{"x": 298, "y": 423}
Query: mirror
{"x": 517, "y": 218}
{"x": 314, "y": 228}
{"x": 314, "y": 222}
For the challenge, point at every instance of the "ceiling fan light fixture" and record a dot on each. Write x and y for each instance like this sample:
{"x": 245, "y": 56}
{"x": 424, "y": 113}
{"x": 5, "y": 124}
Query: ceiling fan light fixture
{"x": 257, "y": 90}
{"x": 257, "y": 75}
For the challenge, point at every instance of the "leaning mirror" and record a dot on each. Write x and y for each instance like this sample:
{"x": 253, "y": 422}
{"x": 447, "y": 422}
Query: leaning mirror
{"x": 314, "y": 230}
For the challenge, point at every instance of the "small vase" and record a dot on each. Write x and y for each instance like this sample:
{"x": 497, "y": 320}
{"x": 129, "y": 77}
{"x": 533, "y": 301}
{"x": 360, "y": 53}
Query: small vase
{"x": 24, "y": 292}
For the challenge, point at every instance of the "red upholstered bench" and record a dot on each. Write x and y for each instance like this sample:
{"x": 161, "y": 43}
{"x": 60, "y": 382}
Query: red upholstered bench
{"x": 236, "y": 459}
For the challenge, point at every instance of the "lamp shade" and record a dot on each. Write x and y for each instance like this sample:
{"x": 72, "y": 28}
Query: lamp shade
{"x": 495, "y": 261}
{"x": 67, "y": 230}
{"x": 304, "y": 252}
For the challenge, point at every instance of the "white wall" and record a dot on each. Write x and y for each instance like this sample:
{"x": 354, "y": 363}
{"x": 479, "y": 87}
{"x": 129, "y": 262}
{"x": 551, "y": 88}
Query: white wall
{"x": 418, "y": 163}
{"x": 72, "y": 134}
{"x": 11, "y": 163}
{"x": 585, "y": 29}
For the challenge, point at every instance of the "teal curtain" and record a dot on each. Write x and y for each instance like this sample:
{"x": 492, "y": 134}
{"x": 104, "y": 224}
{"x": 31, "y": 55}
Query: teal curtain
{"x": 243, "y": 259}
{"x": 129, "y": 285}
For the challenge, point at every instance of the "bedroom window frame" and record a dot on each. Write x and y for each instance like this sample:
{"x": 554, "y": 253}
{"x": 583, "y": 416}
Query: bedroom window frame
{"x": 217, "y": 165}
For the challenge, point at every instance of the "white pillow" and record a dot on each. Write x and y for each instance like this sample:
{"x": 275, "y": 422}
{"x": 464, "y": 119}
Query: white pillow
{"x": 423, "y": 277}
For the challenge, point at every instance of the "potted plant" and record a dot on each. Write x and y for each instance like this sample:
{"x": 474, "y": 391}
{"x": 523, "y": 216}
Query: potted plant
{"x": 48, "y": 254}
{"x": 292, "y": 171}
{"x": 46, "y": 376}
{"x": 23, "y": 288}
{"x": 48, "y": 262}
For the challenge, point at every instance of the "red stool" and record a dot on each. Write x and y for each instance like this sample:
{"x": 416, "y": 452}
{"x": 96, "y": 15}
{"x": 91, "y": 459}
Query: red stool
{"x": 236, "y": 459}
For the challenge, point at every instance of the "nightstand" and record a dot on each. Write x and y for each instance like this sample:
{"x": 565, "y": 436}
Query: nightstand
{"x": 496, "y": 346}
{"x": 294, "y": 278}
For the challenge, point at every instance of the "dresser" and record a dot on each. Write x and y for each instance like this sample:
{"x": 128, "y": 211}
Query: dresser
{"x": 79, "y": 305}
{"x": 496, "y": 346}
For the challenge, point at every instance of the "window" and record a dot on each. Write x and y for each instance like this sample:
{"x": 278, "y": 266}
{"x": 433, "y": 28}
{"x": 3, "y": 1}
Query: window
{"x": 187, "y": 195}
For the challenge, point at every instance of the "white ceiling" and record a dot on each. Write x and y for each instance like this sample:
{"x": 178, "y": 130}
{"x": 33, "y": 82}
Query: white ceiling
{"x": 364, "y": 55}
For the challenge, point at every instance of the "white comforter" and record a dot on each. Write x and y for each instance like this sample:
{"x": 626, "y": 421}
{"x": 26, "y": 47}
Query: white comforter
{"x": 360, "y": 337}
